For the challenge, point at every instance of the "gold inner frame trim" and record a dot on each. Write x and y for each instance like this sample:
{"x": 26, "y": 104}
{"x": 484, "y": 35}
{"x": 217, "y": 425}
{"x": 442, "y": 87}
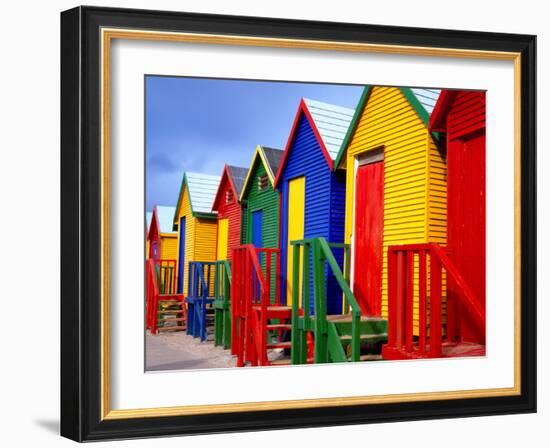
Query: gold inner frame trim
{"x": 107, "y": 35}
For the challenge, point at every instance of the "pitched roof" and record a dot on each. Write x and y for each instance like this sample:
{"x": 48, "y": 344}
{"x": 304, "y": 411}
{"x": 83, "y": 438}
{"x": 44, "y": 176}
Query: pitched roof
{"x": 441, "y": 108}
{"x": 421, "y": 100}
{"x": 270, "y": 158}
{"x": 148, "y": 218}
{"x": 273, "y": 159}
{"x": 165, "y": 215}
{"x": 238, "y": 176}
{"x": 235, "y": 176}
{"x": 331, "y": 121}
{"x": 328, "y": 122}
{"x": 202, "y": 191}
{"x": 427, "y": 97}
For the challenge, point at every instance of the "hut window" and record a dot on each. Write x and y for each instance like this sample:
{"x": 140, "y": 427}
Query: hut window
{"x": 228, "y": 196}
{"x": 262, "y": 182}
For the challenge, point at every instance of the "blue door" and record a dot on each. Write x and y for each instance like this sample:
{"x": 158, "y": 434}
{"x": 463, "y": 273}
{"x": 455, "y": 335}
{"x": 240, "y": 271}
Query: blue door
{"x": 257, "y": 228}
{"x": 181, "y": 256}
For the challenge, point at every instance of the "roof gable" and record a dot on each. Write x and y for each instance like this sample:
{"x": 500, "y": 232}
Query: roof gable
{"x": 421, "y": 100}
{"x": 270, "y": 158}
{"x": 234, "y": 176}
{"x": 164, "y": 215}
{"x": 201, "y": 189}
{"x": 441, "y": 109}
{"x": 329, "y": 124}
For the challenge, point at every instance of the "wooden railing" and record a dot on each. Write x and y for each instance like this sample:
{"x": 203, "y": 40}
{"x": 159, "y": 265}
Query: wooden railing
{"x": 222, "y": 303}
{"x": 429, "y": 261}
{"x": 200, "y": 290}
{"x": 252, "y": 286}
{"x": 319, "y": 253}
{"x": 151, "y": 295}
{"x": 160, "y": 279}
{"x": 166, "y": 274}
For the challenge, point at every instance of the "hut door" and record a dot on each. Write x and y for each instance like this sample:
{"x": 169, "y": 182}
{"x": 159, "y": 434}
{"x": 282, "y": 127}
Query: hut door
{"x": 181, "y": 256}
{"x": 296, "y": 207}
{"x": 368, "y": 236}
{"x": 466, "y": 215}
{"x": 257, "y": 228}
{"x": 223, "y": 234}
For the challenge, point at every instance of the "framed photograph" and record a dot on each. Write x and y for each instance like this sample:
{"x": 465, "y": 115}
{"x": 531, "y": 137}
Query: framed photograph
{"x": 274, "y": 223}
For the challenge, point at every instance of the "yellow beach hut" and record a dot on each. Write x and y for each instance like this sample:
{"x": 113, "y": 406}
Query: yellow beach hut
{"x": 195, "y": 223}
{"x": 395, "y": 186}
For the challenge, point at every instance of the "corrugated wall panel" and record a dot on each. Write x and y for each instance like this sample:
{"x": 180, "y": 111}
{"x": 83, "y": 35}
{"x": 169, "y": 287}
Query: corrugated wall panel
{"x": 321, "y": 205}
{"x": 169, "y": 245}
{"x": 414, "y": 178}
{"x": 467, "y": 114}
{"x": 266, "y": 200}
{"x": 185, "y": 211}
{"x": 231, "y": 211}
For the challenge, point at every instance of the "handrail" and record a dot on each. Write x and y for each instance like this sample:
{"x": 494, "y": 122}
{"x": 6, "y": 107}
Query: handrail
{"x": 401, "y": 292}
{"x": 153, "y": 291}
{"x": 251, "y": 287}
{"x": 322, "y": 252}
{"x": 474, "y": 306}
{"x": 166, "y": 275}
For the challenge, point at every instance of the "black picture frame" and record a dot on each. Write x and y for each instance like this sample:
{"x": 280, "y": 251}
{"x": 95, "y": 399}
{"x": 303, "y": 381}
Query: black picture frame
{"x": 81, "y": 211}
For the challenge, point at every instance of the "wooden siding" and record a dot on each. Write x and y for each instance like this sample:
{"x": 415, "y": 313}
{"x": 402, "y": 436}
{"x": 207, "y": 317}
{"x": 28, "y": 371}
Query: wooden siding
{"x": 169, "y": 246}
{"x": 200, "y": 237}
{"x": 268, "y": 201}
{"x": 414, "y": 176}
{"x": 324, "y": 204}
{"x": 185, "y": 210}
{"x": 232, "y": 212}
{"x": 466, "y": 115}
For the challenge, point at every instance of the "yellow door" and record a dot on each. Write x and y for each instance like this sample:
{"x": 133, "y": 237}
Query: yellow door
{"x": 223, "y": 234}
{"x": 296, "y": 207}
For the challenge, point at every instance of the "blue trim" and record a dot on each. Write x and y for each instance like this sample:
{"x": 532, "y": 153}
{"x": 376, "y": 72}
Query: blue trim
{"x": 181, "y": 255}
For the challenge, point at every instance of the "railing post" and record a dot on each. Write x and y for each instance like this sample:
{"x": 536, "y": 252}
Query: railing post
{"x": 321, "y": 355}
{"x": 399, "y": 301}
{"x": 347, "y": 273}
{"x": 296, "y": 334}
{"x": 392, "y": 299}
{"x": 409, "y": 297}
{"x": 435, "y": 306}
{"x": 422, "y": 301}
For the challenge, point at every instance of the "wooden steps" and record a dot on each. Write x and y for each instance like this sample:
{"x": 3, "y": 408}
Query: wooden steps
{"x": 278, "y": 345}
{"x": 169, "y": 310}
{"x": 449, "y": 350}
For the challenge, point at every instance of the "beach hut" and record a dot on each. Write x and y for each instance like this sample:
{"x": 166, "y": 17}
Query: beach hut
{"x": 395, "y": 187}
{"x": 260, "y": 201}
{"x": 228, "y": 207}
{"x": 195, "y": 223}
{"x": 148, "y": 218}
{"x": 260, "y": 229}
{"x": 163, "y": 241}
{"x": 312, "y": 191}
{"x": 460, "y": 116}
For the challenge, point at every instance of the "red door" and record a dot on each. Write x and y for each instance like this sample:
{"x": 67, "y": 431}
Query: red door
{"x": 466, "y": 216}
{"x": 368, "y": 237}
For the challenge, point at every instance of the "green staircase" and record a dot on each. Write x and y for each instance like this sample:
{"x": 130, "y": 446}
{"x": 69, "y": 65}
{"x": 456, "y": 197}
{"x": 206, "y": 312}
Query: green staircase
{"x": 336, "y": 338}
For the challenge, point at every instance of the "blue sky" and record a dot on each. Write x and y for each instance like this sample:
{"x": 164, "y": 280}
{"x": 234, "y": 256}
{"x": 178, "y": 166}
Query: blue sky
{"x": 199, "y": 125}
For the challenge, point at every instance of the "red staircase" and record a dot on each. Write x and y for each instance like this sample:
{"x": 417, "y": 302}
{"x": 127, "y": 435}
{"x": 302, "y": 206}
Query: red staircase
{"x": 436, "y": 338}
{"x": 164, "y": 309}
{"x": 259, "y": 321}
